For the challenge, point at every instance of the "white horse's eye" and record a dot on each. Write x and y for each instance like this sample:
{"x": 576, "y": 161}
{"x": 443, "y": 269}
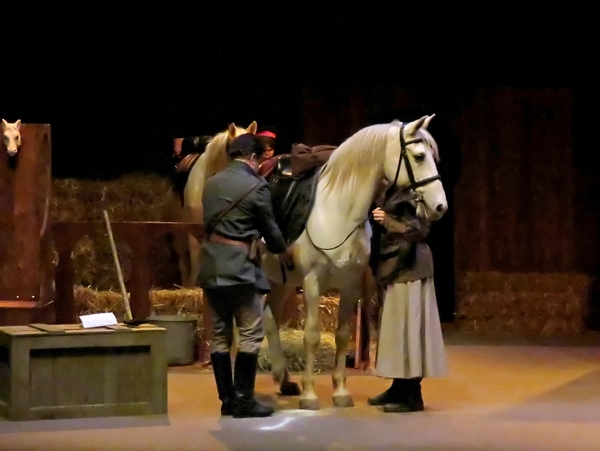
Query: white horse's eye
{"x": 420, "y": 157}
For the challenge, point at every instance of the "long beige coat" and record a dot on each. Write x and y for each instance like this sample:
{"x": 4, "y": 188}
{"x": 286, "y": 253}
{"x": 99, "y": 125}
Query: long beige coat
{"x": 410, "y": 340}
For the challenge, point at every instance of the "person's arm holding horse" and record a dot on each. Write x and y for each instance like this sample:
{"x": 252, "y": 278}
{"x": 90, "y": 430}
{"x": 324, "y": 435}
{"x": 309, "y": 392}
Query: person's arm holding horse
{"x": 411, "y": 227}
{"x": 267, "y": 226}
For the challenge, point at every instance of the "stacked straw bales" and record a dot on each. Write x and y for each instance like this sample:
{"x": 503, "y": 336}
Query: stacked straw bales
{"x": 545, "y": 305}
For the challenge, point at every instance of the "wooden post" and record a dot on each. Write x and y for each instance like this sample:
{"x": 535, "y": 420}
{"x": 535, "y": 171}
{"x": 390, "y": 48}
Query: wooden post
{"x": 25, "y": 190}
{"x": 64, "y": 280}
{"x": 65, "y": 236}
{"x": 141, "y": 279}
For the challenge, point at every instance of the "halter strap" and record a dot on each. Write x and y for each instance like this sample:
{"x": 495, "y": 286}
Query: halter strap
{"x": 404, "y": 157}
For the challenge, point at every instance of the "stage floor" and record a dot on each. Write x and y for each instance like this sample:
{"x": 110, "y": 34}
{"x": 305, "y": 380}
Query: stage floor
{"x": 499, "y": 395}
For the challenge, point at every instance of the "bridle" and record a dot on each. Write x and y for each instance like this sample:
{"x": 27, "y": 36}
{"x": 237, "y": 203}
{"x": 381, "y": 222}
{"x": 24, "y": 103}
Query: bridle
{"x": 414, "y": 184}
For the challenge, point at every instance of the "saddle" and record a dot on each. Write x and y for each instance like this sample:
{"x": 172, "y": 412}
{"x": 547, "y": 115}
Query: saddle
{"x": 192, "y": 147}
{"x": 291, "y": 178}
{"x": 307, "y": 159}
{"x": 279, "y": 164}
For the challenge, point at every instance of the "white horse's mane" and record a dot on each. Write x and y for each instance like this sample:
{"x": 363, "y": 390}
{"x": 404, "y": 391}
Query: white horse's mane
{"x": 359, "y": 158}
{"x": 216, "y": 156}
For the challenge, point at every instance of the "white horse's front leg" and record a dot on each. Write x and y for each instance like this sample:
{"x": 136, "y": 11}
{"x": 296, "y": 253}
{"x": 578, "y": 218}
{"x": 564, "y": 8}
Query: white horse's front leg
{"x": 312, "y": 337}
{"x": 348, "y": 301}
{"x": 275, "y": 301}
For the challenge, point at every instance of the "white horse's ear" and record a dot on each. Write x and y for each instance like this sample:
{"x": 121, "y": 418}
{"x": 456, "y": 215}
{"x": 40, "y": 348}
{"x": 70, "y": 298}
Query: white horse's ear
{"x": 428, "y": 121}
{"x": 18, "y": 124}
{"x": 232, "y": 131}
{"x": 252, "y": 128}
{"x": 412, "y": 127}
{"x": 4, "y": 124}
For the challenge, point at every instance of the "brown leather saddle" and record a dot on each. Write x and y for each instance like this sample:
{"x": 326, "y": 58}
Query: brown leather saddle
{"x": 291, "y": 178}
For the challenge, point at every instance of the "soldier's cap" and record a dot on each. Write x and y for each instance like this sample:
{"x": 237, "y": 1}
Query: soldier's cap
{"x": 245, "y": 145}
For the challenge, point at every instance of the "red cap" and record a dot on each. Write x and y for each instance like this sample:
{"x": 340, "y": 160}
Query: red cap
{"x": 268, "y": 134}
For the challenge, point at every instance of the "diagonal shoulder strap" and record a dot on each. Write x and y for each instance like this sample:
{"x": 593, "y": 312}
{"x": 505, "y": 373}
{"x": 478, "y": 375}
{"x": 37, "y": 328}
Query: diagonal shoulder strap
{"x": 209, "y": 230}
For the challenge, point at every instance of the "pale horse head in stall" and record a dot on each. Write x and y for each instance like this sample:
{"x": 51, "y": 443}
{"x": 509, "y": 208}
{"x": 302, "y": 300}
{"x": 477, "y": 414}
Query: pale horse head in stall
{"x": 11, "y": 136}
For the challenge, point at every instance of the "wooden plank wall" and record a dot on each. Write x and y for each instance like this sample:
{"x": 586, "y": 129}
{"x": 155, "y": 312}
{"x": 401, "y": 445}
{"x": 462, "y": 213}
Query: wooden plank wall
{"x": 25, "y": 189}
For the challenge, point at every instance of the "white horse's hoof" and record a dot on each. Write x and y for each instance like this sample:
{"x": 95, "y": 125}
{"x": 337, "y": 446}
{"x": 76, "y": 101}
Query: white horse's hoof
{"x": 343, "y": 401}
{"x": 310, "y": 404}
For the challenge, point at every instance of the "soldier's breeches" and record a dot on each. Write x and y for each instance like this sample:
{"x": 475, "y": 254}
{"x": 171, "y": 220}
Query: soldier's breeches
{"x": 243, "y": 303}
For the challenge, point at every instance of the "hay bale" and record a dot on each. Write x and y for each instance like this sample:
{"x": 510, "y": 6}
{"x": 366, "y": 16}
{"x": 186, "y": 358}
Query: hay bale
{"x": 328, "y": 312}
{"x": 293, "y": 350}
{"x": 549, "y": 305}
{"x": 89, "y": 301}
{"x": 134, "y": 197}
{"x": 163, "y": 302}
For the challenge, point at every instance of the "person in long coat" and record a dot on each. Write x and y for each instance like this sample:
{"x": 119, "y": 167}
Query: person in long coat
{"x": 410, "y": 344}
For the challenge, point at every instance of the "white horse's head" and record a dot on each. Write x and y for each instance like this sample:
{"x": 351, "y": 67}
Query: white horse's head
{"x": 12, "y": 136}
{"x": 410, "y": 164}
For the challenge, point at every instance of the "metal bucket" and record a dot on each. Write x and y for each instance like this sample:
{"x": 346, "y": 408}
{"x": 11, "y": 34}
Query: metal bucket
{"x": 181, "y": 337}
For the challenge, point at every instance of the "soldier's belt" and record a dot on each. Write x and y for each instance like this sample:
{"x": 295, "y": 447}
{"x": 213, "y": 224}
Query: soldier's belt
{"x": 221, "y": 239}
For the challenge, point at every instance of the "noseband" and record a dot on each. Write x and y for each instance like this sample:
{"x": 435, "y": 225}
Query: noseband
{"x": 414, "y": 184}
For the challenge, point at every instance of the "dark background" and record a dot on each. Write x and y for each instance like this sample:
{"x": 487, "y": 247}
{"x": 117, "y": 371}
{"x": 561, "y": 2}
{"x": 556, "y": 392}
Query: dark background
{"x": 118, "y": 84}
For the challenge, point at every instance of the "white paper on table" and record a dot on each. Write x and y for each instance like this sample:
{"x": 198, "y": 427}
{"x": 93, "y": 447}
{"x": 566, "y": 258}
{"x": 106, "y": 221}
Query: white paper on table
{"x": 98, "y": 320}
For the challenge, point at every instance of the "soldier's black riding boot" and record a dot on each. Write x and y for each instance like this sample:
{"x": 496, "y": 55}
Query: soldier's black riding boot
{"x": 221, "y": 362}
{"x": 245, "y": 405}
{"x": 391, "y": 395}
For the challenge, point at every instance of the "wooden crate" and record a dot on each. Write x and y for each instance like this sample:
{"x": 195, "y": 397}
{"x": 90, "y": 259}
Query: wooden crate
{"x": 65, "y": 371}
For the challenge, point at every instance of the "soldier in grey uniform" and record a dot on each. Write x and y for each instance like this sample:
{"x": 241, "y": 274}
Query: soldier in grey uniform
{"x": 237, "y": 213}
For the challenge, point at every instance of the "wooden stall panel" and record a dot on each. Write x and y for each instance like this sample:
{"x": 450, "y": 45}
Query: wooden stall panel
{"x": 25, "y": 190}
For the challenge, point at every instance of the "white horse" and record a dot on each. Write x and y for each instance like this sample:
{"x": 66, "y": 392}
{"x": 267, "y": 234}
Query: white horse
{"x": 11, "y": 136}
{"x": 334, "y": 249}
{"x": 213, "y": 160}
